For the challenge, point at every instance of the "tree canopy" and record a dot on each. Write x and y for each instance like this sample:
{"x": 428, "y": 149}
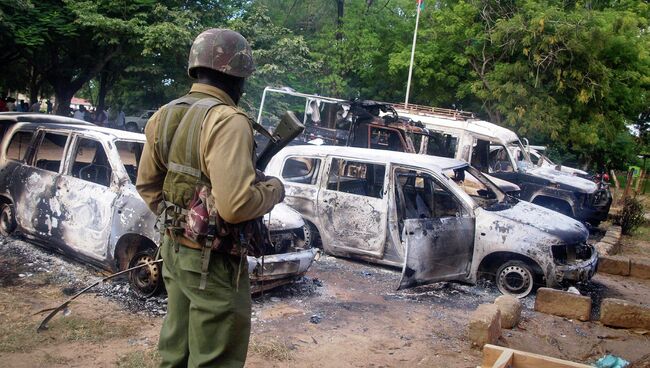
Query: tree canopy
{"x": 573, "y": 75}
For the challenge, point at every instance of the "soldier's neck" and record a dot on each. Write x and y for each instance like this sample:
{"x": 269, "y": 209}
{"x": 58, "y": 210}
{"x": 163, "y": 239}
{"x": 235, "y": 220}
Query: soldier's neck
{"x": 232, "y": 90}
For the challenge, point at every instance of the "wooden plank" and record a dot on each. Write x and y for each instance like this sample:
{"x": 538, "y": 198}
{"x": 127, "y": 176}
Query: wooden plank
{"x": 615, "y": 179}
{"x": 521, "y": 359}
{"x": 505, "y": 359}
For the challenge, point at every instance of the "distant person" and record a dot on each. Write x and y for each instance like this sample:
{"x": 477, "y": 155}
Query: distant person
{"x": 112, "y": 117}
{"x": 11, "y": 104}
{"x": 81, "y": 113}
{"x": 49, "y": 106}
{"x": 101, "y": 118}
{"x": 121, "y": 120}
{"x": 20, "y": 107}
{"x": 25, "y": 106}
{"x": 3, "y": 105}
{"x": 36, "y": 107}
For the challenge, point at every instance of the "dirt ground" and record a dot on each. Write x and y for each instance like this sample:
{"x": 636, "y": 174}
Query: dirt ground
{"x": 342, "y": 314}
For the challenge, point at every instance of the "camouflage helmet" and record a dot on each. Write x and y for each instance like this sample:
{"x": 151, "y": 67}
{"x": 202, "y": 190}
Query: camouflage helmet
{"x": 222, "y": 50}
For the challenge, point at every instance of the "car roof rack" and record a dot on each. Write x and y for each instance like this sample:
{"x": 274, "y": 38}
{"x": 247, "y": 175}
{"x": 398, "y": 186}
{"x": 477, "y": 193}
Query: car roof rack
{"x": 435, "y": 111}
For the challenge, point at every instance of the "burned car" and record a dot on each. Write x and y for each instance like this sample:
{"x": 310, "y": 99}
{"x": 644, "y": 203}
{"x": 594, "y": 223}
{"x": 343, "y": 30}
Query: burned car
{"x": 71, "y": 188}
{"x": 439, "y": 219}
{"x": 498, "y": 152}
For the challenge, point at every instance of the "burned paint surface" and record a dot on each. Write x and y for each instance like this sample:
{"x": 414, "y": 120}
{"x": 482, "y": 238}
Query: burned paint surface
{"x": 437, "y": 250}
{"x": 89, "y": 221}
{"x": 353, "y": 222}
{"x": 515, "y": 228}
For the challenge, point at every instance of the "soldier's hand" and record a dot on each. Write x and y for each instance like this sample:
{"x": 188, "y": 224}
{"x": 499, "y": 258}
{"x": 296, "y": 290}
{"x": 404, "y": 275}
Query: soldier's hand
{"x": 259, "y": 176}
{"x": 278, "y": 184}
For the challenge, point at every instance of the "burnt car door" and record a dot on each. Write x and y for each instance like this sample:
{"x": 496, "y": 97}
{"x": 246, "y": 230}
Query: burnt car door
{"x": 85, "y": 197}
{"x": 352, "y": 207}
{"x": 35, "y": 189}
{"x": 437, "y": 227}
{"x": 300, "y": 174}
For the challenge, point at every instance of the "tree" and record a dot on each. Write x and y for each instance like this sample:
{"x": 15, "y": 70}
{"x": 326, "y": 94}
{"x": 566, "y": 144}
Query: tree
{"x": 69, "y": 42}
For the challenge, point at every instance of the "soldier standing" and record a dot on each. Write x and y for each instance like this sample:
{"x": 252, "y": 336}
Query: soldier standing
{"x": 197, "y": 172}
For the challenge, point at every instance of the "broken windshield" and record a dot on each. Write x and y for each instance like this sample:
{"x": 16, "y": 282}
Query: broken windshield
{"x": 521, "y": 156}
{"x": 477, "y": 186}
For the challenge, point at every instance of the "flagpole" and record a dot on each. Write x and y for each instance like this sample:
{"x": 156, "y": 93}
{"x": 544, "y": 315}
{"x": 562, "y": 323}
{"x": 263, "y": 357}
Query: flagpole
{"x": 415, "y": 37}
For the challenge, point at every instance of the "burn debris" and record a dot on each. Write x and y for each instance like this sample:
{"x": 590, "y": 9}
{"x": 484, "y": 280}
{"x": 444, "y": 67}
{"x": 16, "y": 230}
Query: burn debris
{"x": 43, "y": 267}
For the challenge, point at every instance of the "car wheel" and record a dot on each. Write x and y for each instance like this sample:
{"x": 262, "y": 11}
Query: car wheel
{"x": 310, "y": 237}
{"x": 146, "y": 281}
{"x": 7, "y": 219}
{"x": 132, "y": 127}
{"x": 515, "y": 278}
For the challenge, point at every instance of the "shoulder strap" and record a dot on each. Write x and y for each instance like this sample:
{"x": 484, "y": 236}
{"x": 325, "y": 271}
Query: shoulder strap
{"x": 170, "y": 125}
{"x": 186, "y": 140}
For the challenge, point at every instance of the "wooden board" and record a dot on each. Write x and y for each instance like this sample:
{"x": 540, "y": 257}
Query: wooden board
{"x": 497, "y": 356}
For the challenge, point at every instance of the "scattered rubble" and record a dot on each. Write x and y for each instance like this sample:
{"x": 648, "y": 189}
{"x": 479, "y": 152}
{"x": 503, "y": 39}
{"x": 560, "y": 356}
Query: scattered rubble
{"x": 562, "y": 303}
{"x": 623, "y": 313}
{"x": 614, "y": 265}
{"x": 485, "y": 325}
{"x": 510, "y": 309}
{"x": 640, "y": 268}
{"x": 609, "y": 243}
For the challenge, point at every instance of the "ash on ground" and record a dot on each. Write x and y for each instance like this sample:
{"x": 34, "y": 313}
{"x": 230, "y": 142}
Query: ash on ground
{"x": 301, "y": 287}
{"x": 23, "y": 263}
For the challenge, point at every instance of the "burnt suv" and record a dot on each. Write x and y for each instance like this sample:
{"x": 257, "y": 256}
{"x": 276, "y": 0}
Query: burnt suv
{"x": 70, "y": 187}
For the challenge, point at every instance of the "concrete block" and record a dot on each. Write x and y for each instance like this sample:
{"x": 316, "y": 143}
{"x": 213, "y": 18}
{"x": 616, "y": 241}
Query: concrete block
{"x": 614, "y": 265}
{"x": 510, "y": 310}
{"x": 562, "y": 303}
{"x": 622, "y": 313}
{"x": 603, "y": 248}
{"x": 610, "y": 239}
{"x": 640, "y": 268}
{"x": 485, "y": 325}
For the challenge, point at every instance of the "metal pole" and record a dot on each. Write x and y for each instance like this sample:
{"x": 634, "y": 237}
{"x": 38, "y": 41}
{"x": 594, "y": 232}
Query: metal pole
{"x": 415, "y": 37}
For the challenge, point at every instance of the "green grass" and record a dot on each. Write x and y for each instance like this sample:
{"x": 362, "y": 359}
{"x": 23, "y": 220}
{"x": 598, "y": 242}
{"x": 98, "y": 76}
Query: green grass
{"x": 21, "y": 336}
{"x": 140, "y": 359}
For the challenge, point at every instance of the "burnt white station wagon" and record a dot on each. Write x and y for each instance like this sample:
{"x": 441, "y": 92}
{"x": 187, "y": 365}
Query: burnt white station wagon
{"x": 69, "y": 186}
{"x": 436, "y": 218}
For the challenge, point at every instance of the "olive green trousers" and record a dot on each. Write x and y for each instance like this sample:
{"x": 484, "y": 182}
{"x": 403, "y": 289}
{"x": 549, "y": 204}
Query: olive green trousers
{"x": 204, "y": 328}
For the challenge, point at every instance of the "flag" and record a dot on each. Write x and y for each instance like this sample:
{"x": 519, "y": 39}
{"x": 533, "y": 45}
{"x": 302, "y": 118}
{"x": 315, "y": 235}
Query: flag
{"x": 420, "y": 5}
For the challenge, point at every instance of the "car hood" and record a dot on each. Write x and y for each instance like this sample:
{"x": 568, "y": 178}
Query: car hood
{"x": 565, "y": 181}
{"x": 568, "y": 170}
{"x": 553, "y": 223}
{"x": 283, "y": 217}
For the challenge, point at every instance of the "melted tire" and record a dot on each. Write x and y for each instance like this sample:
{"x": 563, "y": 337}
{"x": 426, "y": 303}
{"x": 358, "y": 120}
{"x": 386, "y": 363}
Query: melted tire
{"x": 7, "y": 219}
{"x": 146, "y": 281}
{"x": 515, "y": 278}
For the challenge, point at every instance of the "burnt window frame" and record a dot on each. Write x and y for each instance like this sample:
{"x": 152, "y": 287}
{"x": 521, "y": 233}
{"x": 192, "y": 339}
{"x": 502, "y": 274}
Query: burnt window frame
{"x": 315, "y": 175}
{"x": 325, "y": 179}
{"x": 442, "y": 181}
{"x": 123, "y": 166}
{"x": 28, "y": 148}
{"x": 73, "y": 144}
{"x": 404, "y": 147}
{"x": 39, "y": 136}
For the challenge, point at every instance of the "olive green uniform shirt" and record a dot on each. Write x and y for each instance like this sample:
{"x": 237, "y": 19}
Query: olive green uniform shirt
{"x": 227, "y": 151}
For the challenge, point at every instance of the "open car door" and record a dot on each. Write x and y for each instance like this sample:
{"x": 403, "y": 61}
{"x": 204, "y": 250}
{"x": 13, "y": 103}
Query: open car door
{"x": 437, "y": 228}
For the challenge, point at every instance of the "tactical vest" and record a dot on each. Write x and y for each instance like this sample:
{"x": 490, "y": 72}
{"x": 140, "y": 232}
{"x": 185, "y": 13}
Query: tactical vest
{"x": 177, "y": 142}
{"x": 187, "y": 208}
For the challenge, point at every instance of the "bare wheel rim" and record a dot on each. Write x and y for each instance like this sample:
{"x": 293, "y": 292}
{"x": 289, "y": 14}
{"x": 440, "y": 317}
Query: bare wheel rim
{"x": 7, "y": 224}
{"x": 145, "y": 279}
{"x": 307, "y": 236}
{"x": 515, "y": 280}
